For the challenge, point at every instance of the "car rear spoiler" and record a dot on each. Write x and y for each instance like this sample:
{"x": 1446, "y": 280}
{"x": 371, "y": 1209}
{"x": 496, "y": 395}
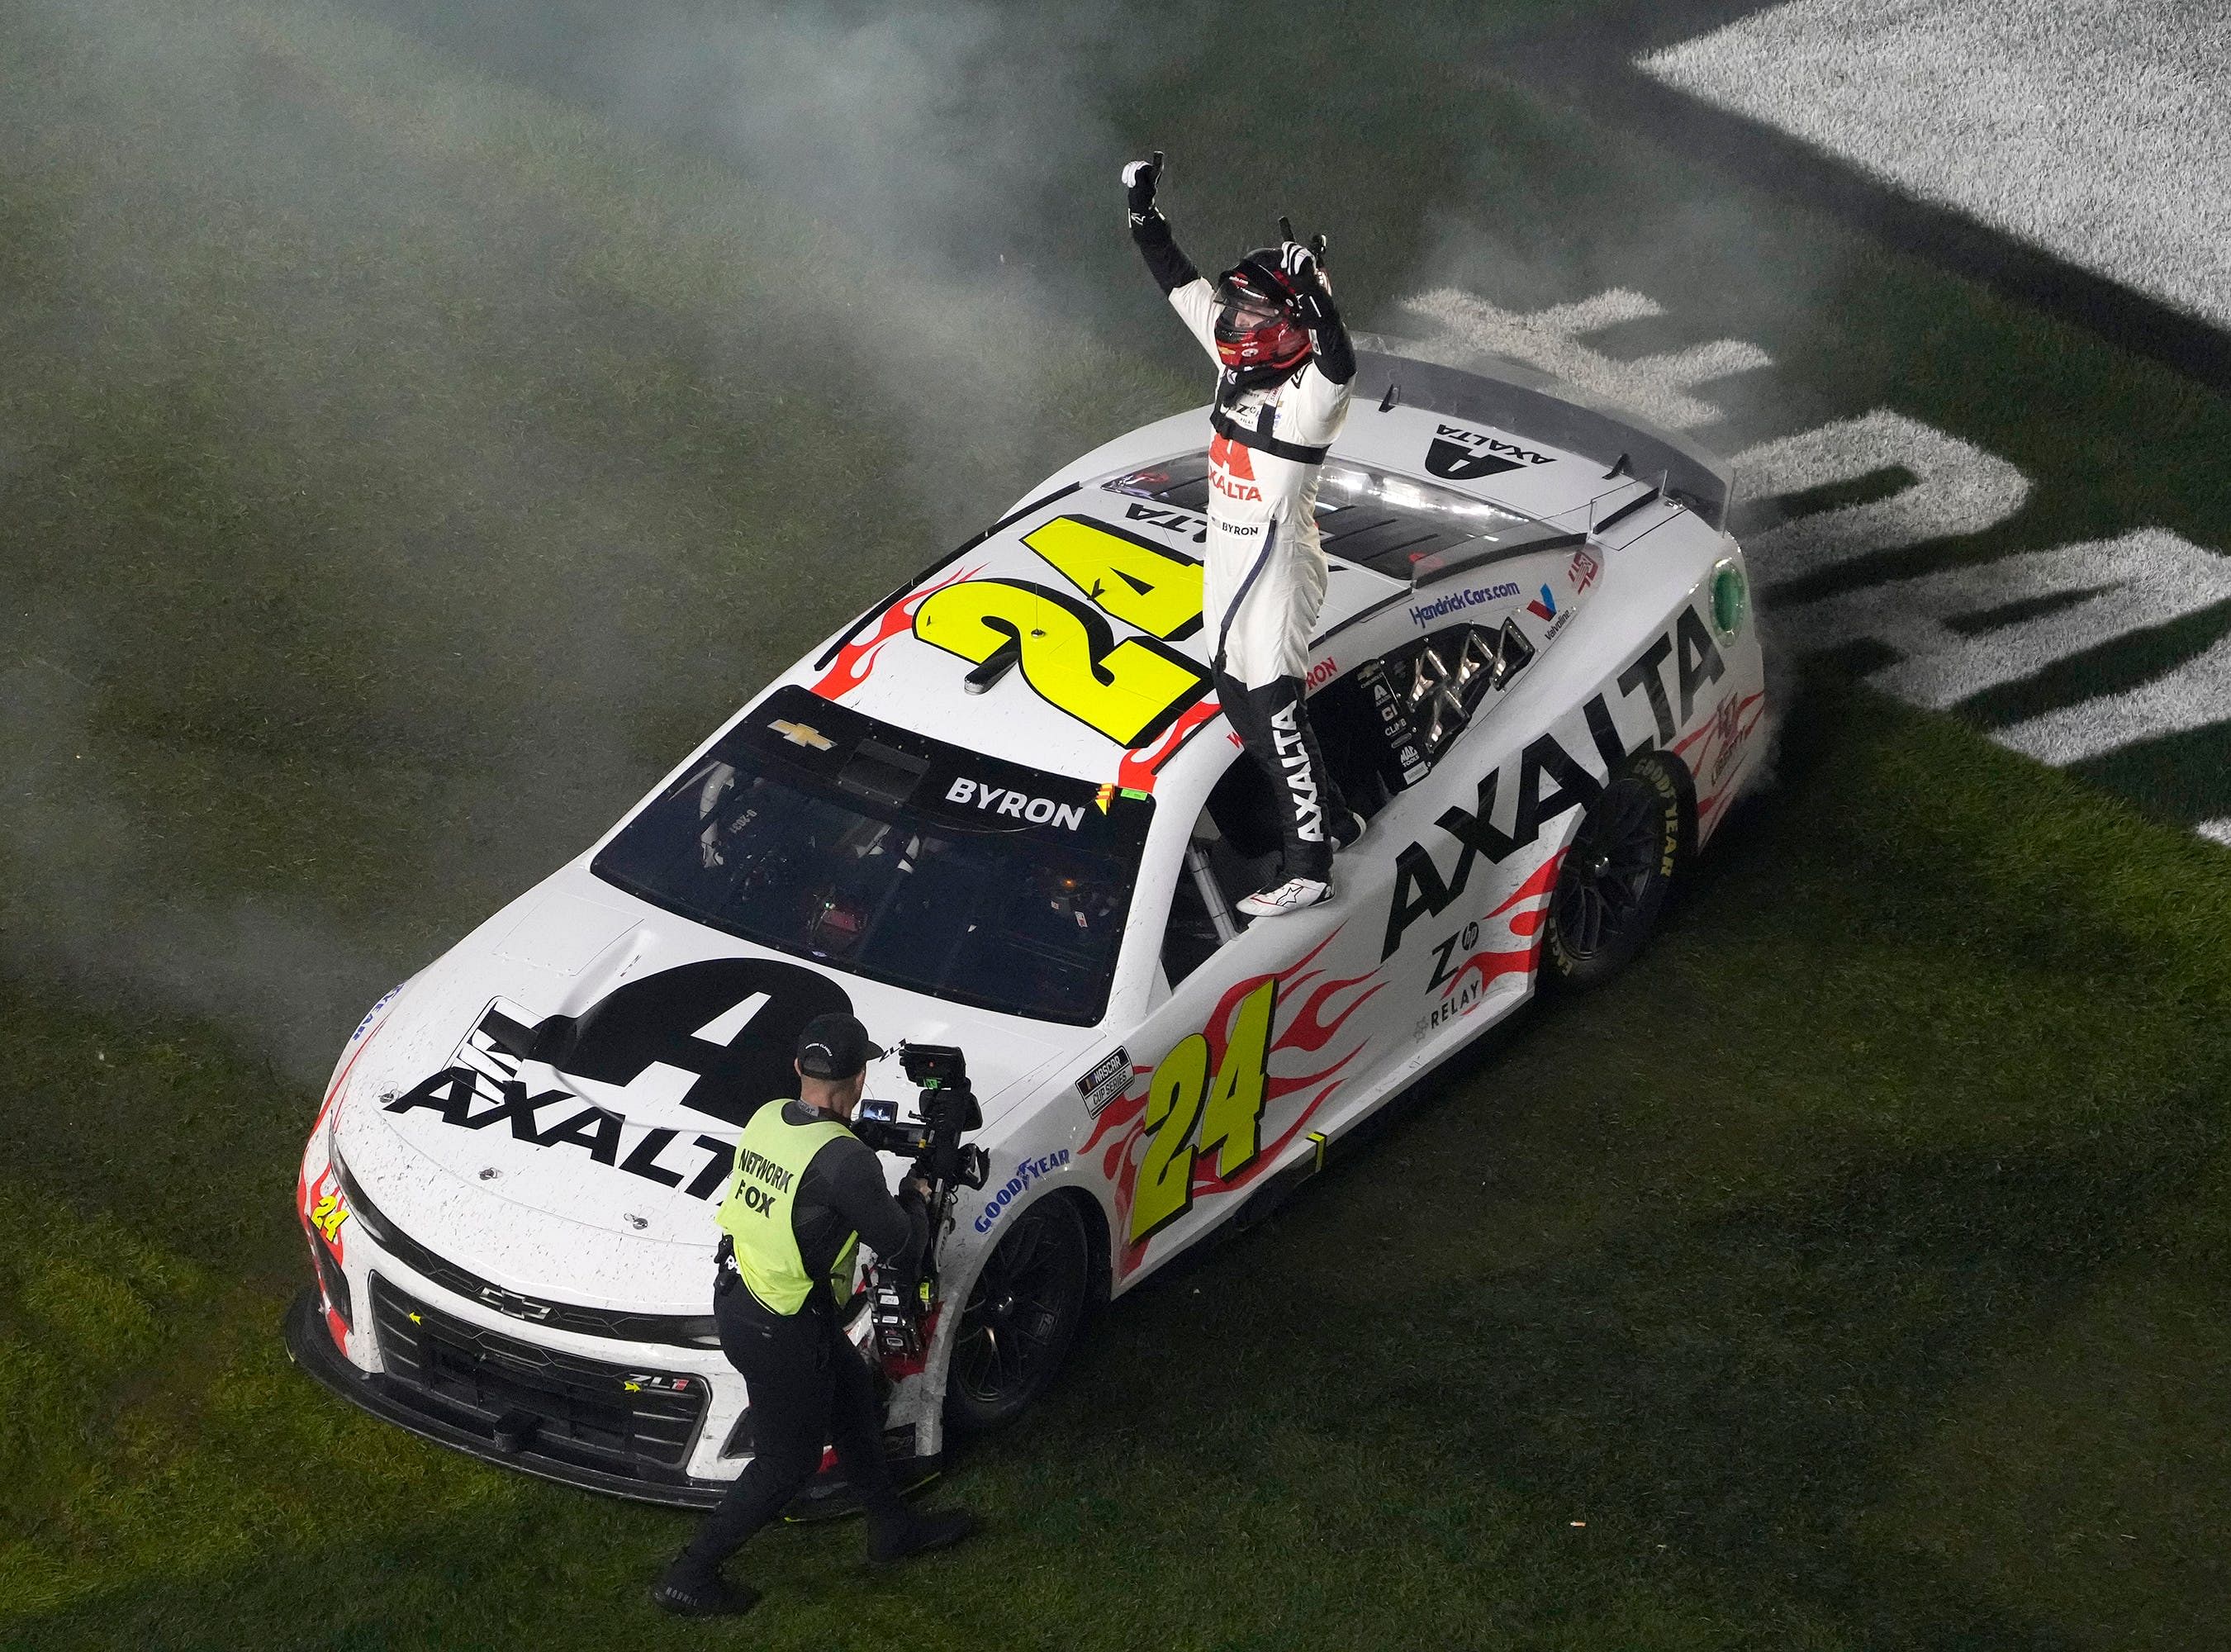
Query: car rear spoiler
{"x": 1533, "y": 405}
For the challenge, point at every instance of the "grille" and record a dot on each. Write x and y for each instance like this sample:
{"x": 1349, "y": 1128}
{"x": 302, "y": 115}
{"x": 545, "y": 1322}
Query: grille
{"x": 581, "y": 1407}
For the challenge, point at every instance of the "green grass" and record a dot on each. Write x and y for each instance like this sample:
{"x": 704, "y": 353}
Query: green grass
{"x": 1855, "y": 1270}
{"x": 397, "y": 468}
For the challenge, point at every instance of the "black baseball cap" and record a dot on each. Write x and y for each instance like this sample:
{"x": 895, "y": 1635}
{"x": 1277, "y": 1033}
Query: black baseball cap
{"x": 835, "y": 1045}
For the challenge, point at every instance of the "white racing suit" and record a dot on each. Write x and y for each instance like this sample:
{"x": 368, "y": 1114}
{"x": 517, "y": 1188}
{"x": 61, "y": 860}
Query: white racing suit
{"x": 1265, "y": 575}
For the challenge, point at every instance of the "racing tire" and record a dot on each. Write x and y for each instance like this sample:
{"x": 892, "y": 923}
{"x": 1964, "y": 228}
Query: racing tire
{"x": 1616, "y": 875}
{"x": 1021, "y": 1316}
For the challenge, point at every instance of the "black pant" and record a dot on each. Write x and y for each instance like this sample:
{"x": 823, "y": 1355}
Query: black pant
{"x": 1273, "y": 722}
{"x": 807, "y": 1386}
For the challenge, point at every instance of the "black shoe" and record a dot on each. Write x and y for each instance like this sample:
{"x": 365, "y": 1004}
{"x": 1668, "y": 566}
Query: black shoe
{"x": 918, "y": 1534}
{"x": 1346, "y": 829}
{"x": 688, "y": 1590}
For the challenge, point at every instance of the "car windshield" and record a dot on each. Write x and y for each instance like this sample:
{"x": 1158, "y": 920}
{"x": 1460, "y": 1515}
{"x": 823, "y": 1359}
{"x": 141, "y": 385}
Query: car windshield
{"x": 819, "y": 832}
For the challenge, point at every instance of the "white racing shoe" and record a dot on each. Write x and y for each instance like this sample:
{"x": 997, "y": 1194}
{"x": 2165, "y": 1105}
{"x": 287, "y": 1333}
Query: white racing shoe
{"x": 1289, "y": 897}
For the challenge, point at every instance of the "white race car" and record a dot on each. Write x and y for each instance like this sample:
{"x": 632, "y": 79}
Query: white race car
{"x": 1000, "y": 811}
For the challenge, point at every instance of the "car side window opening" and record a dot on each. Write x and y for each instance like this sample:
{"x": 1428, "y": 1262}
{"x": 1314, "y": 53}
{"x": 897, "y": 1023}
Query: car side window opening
{"x": 1382, "y": 727}
{"x": 1385, "y": 724}
{"x": 1202, "y": 915}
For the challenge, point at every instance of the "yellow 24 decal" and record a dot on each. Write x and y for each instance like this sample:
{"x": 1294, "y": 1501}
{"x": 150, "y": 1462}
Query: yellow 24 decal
{"x": 1139, "y": 582}
{"x": 327, "y": 1215}
{"x": 1129, "y": 691}
{"x": 1228, "y": 1111}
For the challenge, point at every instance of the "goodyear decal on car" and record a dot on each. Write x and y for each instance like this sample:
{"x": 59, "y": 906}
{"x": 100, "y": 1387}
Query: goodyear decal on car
{"x": 1026, "y": 1171}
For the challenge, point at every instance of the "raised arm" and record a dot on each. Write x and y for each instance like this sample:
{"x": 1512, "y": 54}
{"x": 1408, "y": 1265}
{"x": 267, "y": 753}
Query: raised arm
{"x": 1331, "y": 351}
{"x": 1191, "y": 295}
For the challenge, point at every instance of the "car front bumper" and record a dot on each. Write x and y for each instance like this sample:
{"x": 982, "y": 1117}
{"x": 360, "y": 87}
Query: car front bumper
{"x": 472, "y": 1429}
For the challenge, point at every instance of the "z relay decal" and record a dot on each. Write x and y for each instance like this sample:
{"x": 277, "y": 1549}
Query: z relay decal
{"x": 728, "y": 1028}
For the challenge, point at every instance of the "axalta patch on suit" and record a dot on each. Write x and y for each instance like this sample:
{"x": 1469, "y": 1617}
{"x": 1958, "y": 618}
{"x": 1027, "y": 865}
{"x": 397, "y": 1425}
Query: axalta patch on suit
{"x": 1004, "y": 810}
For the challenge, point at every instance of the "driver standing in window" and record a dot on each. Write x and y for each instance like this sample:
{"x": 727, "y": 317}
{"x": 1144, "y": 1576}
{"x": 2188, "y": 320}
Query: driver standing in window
{"x": 1281, "y": 393}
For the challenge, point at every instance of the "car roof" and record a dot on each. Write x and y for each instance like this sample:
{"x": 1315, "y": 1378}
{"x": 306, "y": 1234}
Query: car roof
{"x": 1056, "y": 548}
{"x": 1405, "y": 484}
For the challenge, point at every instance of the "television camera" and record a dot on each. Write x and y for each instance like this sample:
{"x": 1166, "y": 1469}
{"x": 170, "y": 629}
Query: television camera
{"x": 947, "y": 1111}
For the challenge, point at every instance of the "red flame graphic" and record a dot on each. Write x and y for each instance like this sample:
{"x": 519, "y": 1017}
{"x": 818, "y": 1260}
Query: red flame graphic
{"x": 1140, "y": 766}
{"x": 1492, "y": 963}
{"x": 1315, "y": 1024}
{"x": 856, "y": 661}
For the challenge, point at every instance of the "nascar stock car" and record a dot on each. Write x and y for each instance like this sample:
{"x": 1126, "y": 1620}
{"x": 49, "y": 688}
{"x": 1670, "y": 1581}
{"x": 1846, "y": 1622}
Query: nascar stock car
{"x": 999, "y": 812}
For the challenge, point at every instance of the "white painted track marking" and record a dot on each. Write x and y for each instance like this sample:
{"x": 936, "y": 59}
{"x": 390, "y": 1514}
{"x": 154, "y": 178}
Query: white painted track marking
{"x": 2190, "y": 696}
{"x": 1958, "y": 489}
{"x": 2116, "y": 586}
{"x": 1655, "y": 387}
{"x": 2096, "y": 129}
{"x": 2120, "y": 587}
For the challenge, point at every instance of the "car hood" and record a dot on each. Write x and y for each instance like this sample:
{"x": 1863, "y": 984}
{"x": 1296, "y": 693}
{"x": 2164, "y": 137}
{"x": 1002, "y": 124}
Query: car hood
{"x": 550, "y": 1103}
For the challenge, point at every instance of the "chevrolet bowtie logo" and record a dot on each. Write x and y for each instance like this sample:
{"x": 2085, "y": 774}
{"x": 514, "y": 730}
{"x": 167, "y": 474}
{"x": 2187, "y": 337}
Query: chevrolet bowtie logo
{"x": 521, "y": 1307}
{"x": 799, "y": 735}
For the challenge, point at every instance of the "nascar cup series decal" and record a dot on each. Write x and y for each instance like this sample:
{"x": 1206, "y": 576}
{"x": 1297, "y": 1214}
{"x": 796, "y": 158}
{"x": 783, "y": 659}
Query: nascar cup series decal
{"x": 1106, "y": 1081}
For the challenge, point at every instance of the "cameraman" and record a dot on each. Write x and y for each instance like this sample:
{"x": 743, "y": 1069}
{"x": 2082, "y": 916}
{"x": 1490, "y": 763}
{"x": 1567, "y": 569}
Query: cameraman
{"x": 804, "y": 1193}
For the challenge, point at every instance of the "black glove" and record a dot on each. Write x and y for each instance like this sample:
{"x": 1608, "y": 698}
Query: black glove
{"x": 1304, "y": 267}
{"x": 1140, "y": 178}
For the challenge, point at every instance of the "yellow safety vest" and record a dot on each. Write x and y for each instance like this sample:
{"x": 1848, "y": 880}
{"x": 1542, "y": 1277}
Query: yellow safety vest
{"x": 756, "y": 1213}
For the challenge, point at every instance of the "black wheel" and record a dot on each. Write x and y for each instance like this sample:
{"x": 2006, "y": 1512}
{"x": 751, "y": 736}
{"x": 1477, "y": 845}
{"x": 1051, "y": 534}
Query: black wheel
{"x": 1615, "y": 878}
{"x": 1020, "y": 1318}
